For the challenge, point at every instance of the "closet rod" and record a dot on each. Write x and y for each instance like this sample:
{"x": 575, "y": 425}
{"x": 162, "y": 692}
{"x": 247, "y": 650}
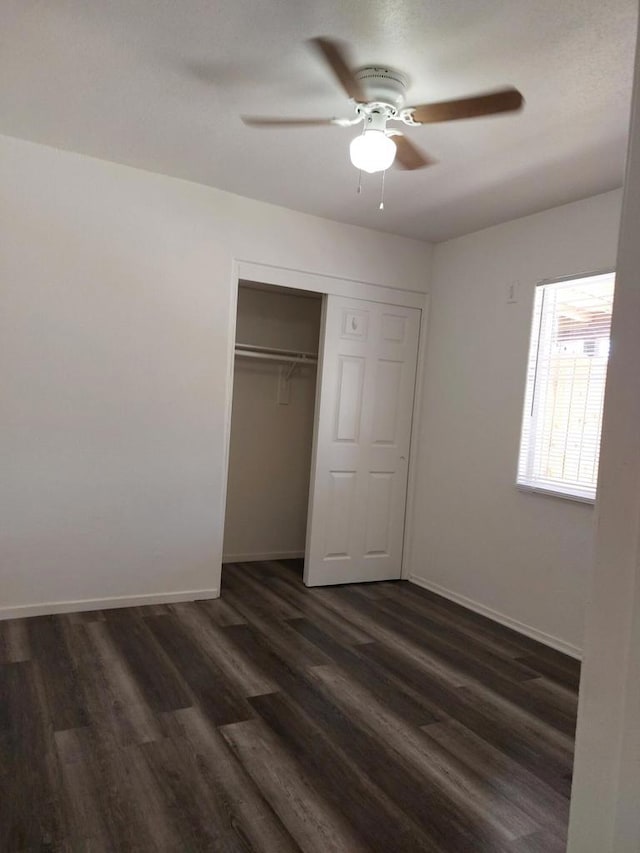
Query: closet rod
{"x": 268, "y": 356}
{"x": 274, "y": 350}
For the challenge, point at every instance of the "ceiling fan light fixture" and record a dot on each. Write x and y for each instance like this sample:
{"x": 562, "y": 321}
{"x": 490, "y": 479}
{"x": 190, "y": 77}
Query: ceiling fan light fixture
{"x": 372, "y": 151}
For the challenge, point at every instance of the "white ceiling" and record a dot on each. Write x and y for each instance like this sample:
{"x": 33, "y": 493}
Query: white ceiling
{"x": 160, "y": 84}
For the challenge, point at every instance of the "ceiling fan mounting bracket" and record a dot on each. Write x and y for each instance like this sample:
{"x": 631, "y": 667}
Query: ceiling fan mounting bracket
{"x": 376, "y": 114}
{"x": 406, "y": 116}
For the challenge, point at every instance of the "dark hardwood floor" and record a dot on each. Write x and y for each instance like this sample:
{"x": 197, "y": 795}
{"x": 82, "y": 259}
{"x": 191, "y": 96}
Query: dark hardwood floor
{"x": 277, "y": 718}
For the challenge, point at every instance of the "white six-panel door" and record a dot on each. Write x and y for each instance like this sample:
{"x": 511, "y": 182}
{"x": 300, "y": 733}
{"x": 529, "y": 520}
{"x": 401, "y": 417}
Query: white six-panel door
{"x": 361, "y": 454}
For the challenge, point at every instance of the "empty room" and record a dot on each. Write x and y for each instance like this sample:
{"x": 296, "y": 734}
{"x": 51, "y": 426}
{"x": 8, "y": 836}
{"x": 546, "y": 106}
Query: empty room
{"x": 319, "y": 418}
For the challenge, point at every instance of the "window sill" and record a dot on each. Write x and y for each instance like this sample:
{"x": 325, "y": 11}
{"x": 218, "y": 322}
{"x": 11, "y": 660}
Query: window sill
{"x": 552, "y": 493}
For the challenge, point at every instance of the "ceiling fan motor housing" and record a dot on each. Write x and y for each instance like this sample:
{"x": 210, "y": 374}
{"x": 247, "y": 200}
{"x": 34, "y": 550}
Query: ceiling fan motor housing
{"x": 383, "y": 85}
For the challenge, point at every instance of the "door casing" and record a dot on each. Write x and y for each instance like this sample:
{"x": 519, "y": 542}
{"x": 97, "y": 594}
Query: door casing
{"x": 250, "y": 271}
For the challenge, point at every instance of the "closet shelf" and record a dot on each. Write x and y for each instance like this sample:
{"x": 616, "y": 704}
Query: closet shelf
{"x": 275, "y": 354}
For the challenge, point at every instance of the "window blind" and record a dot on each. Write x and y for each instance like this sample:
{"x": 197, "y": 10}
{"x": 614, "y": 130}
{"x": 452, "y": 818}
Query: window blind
{"x": 566, "y": 377}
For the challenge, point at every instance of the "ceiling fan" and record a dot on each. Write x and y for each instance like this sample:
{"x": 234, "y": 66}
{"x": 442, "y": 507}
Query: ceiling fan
{"x": 378, "y": 93}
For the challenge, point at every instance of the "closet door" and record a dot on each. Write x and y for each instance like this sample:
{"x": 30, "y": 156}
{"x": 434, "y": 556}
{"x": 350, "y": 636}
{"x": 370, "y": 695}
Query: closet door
{"x": 361, "y": 453}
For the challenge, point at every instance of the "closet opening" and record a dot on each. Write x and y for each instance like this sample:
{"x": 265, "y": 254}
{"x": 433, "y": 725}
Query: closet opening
{"x": 272, "y": 424}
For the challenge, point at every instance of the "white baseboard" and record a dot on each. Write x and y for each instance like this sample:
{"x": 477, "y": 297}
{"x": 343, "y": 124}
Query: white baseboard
{"x": 254, "y": 558}
{"x": 496, "y": 616}
{"x": 47, "y": 608}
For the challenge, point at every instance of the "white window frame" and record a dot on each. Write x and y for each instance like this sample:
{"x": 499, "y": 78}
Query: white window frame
{"x": 570, "y": 491}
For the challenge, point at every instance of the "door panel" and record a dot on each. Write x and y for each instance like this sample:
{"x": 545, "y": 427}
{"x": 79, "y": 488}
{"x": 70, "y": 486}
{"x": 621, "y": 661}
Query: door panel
{"x": 359, "y": 481}
{"x": 379, "y": 497}
{"x": 341, "y": 499}
{"x": 349, "y": 399}
{"x": 387, "y": 387}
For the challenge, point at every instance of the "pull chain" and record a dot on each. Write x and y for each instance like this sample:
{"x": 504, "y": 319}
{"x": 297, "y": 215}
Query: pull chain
{"x": 381, "y": 205}
{"x": 359, "y": 190}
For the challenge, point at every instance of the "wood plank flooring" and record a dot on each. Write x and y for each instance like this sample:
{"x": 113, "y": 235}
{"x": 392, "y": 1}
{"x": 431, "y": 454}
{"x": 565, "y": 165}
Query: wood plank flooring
{"x": 278, "y": 718}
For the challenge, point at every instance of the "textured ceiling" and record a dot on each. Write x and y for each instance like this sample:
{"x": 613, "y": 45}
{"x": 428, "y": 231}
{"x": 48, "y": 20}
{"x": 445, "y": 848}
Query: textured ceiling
{"x": 160, "y": 84}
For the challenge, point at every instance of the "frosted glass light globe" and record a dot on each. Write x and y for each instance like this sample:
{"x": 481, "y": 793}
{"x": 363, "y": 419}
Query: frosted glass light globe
{"x": 372, "y": 151}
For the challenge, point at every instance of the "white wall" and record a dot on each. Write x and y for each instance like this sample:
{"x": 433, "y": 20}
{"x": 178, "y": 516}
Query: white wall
{"x": 605, "y": 817}
{"x": 270, "y": 451}
{"x": 525, "y": 557}
{"x": 116, "y": 288}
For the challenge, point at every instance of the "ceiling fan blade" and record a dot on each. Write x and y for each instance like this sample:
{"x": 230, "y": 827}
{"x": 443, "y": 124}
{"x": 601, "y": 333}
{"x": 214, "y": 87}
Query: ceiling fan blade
{"x": 504, "y": 101}
{"x": 272, "y": 121}
{"x": 409, "y": 156}
{"x": 335, "y": 56}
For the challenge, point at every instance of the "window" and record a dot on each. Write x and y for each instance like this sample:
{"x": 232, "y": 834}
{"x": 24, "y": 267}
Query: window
{"x": 566, "y": 376}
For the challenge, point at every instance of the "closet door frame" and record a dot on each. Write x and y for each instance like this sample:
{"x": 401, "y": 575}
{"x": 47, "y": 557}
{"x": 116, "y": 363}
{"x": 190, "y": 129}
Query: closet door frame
{"x": 256, "y": 273}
